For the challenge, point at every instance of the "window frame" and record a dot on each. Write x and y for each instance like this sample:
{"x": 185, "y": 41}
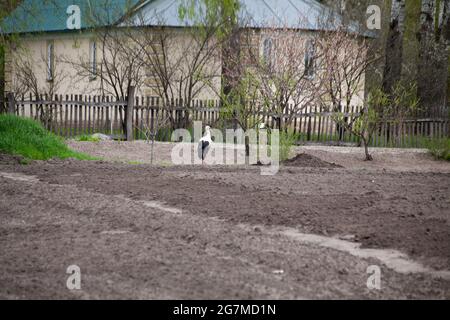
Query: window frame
{"x": 93, "y": 60}
{"x": 310, "y": 61}
{"x": 269, "y": 58}
{"x": 50, "y": 63}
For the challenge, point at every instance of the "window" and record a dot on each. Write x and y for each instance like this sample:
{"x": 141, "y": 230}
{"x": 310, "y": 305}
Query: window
{"x": 50, "y": 60}
{"x": 310, "y": 59}
{"x": 268, "y": 52}
{"x": 93, "y": 59}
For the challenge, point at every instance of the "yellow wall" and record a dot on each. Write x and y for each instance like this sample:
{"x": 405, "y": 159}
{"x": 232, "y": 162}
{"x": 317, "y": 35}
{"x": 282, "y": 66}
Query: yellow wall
{"x": 71, "y": 78}
{"x": 75, "y": 47}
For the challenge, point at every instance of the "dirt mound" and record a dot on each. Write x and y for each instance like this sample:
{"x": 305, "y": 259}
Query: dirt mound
{"x": 7, "y": 159}
{"x": 307, "y": 160}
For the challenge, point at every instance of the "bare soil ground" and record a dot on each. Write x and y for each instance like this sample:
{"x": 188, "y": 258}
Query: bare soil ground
{"x": 161, "y": 231}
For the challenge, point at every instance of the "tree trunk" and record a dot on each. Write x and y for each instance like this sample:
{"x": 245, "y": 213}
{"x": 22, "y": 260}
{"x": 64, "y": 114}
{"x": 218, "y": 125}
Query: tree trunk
{"x": 247, "y": 151}
{"x": 394, "y": 46}
{"x": 366, "y": 150}
{"x": 2, "y": 76}
{"x": 230, "y": 62}
{"x": 129, "y": 114}
{"x": 443, "y": 36}
{"x": 443, "y": 31}
{"x": 433, "y": 56}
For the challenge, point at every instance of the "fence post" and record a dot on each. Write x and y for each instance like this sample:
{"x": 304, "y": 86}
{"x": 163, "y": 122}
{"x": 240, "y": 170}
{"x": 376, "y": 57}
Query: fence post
{"x": 129, "y": 114}
{"x": 11, "y": 103}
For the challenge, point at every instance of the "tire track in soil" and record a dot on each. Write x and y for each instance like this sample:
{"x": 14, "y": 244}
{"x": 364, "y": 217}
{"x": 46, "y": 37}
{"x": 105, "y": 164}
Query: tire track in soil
{"x": 406, "y": 211}
{"x": 258, "y": 256}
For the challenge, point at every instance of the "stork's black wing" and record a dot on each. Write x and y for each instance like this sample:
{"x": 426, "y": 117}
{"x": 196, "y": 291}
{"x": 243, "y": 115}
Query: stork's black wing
{"x": 205, "y": 145}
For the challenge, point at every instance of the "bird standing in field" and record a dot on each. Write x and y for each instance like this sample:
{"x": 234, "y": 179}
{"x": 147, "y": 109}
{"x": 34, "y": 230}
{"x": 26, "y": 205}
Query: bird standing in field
{"x": 204, "y": 144}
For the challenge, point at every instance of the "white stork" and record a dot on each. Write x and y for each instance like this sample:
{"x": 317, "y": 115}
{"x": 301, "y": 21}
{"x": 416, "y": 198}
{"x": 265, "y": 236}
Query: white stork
{"x": 204, "y": 144}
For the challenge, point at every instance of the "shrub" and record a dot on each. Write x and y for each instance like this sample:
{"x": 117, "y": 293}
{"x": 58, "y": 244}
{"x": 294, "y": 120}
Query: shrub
{"x": 287, "y": 140}
{"x": 28, "y": 138}
{"x": 439, "y": 148}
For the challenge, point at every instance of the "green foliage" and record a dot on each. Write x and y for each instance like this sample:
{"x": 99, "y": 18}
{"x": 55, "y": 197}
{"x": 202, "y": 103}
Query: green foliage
{"x": 287, "y": 141}
{"x": 243, "y": 102}
{"x": 439, "y": 148}
{"x": 380, "y": 107}
{"x": 218, "y": 14}
{"x": 135, "y": 162}
{"x": 397, "y": 106}
{"x": 26, "y": 137}
{"x": 403, "y": 100}
{"x": 87, "y": 138}
{"x": 6, "y": 6}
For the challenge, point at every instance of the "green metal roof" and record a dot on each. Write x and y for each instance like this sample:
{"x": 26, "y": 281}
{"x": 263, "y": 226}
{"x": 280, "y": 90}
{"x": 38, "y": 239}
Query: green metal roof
{"x": 33, "y": 16}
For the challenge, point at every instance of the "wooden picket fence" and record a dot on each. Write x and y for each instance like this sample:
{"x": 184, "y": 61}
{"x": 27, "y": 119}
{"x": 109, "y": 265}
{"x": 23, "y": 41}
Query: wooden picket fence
{"x": 75, "y": 115}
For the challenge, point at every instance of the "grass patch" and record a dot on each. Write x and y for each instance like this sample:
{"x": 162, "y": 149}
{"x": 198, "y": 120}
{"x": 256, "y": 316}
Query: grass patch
{"x": 135, "y": 162}
{"x": 27, "y": 138}
{"x": 438, "y": 148}
{"x": 87, "y": 138}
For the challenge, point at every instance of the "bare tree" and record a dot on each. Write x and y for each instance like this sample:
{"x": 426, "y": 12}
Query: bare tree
{"x": 287, "y": 72}
{"x": 120, "y": 66}
{"x": 150, "y": 129}
{"x": 274, "y": 73}
{"x": 114, "y": 63}
{"x": 345, "y": 62}
{"x": 9, "y": 36}
{"x": 180, "y": 64}
{"x": 26, "y": 81}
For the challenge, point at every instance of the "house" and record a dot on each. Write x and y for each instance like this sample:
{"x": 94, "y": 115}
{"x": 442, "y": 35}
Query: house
{"x": 73, "y": 46}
